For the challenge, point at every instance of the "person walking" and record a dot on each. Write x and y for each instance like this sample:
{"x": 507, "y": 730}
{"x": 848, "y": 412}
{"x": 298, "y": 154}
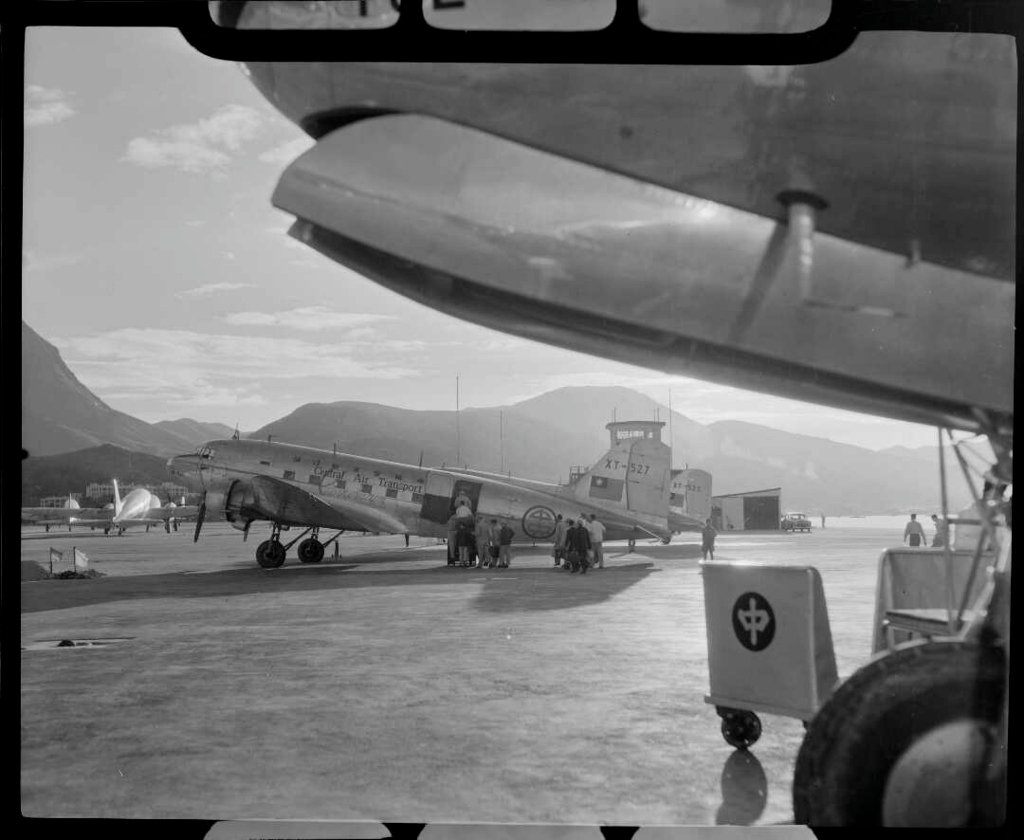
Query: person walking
{"x": 505, "y": 535}
{"x": 941, "y": 537}
{"x": 596, "y": 530}
{"x": 707, "y": 539}
{"x": 914, "y": 532}
{"x": 558, "y": 551}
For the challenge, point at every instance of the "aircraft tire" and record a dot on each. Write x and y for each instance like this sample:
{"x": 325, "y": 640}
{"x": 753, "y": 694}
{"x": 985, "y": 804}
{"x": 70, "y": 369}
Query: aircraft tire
{"x": 270, "y": 554}
{"x": 310, "y": 551}
{"x": 859, "y": 735}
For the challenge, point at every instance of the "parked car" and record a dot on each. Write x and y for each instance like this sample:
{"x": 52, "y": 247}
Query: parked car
{"x": 796, "y": 522}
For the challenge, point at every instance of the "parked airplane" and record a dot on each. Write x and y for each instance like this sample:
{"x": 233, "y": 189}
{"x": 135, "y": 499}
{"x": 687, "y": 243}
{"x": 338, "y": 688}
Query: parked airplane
{"x": 139, "y": 507}
{"x": 249, "y": 480}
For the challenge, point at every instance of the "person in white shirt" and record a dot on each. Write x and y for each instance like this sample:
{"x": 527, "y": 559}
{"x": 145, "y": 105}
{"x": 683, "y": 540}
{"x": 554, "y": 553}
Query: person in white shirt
{"x": 596, "y": 529}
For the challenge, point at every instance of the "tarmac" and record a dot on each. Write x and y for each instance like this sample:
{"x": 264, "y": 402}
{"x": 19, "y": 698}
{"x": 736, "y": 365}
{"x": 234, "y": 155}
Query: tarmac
{"x": 387, "y": 686}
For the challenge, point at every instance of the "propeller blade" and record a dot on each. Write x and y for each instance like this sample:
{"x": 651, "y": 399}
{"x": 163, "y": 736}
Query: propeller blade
{"x": 199, "y": 519}
{"x": 245, "y": 532}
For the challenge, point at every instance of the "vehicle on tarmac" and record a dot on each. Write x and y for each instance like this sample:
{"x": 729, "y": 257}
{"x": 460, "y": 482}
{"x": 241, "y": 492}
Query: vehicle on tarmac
{"x": 795, "y": 522}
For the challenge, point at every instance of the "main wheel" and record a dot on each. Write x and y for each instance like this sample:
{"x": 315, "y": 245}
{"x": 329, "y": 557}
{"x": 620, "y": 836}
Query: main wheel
{"x": 909, "y": 737}
{"x": 270, "y": 554}
{"x": 740, "y": 728}
{"x": 311, "y": 551}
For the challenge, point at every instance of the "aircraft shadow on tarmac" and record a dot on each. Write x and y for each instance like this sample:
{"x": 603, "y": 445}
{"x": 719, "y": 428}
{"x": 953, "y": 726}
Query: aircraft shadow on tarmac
{"x": 502, "y": 590}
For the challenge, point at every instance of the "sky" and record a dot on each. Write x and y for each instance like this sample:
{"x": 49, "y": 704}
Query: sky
{"x": 153, "y": 260}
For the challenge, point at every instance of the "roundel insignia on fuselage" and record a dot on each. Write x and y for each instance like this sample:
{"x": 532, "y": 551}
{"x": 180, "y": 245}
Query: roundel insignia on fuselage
{"x": 539, "y": 522}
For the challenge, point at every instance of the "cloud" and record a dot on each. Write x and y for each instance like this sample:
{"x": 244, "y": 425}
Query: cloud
{"x": 285, "y": 153}
{"x": 190, "y": 368}
{"x": 202, "y": 146}
{"x": 308, "y": 318}
{"x": 211, "y": 289}
{"x": 46, "y": 106}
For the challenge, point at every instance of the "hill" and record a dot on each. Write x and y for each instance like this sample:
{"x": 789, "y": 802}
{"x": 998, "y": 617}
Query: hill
{"x": 54, "y": 475}
{"x": 543, "y": 437}
{"x": 59, "y": 414}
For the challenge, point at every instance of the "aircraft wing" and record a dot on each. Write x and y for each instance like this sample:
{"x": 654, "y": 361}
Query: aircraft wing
{"x": 562, "y": 252}
{"x": 285, "y": 503}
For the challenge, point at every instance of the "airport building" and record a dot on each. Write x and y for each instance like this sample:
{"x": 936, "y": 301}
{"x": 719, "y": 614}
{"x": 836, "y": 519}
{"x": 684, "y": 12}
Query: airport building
{"x": 166, "y": 490}
{"x": 756, "y": 510}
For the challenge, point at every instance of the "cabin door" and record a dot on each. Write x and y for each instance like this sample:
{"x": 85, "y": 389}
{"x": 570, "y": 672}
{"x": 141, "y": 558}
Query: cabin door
{"x": 437, "y": 498}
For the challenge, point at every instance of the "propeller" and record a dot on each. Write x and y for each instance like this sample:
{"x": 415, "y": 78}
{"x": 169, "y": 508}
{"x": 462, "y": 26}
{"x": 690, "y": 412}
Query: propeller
{"x": 200, "y": 516}
{"x": 245, "y": 531}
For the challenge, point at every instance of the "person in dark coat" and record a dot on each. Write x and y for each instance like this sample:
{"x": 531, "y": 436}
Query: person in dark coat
{"x": 577, "y": 541}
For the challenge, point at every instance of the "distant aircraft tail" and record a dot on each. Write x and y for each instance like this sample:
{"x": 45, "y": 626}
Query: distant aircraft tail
{"x": 632, "y": 476}
{"x": 690, "y": 501}
{"x": 117, "y": 500}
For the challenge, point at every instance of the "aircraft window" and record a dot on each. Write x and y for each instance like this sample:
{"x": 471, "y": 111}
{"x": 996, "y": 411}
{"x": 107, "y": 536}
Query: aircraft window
{"x": 306, "y": 14}
{"x": 315, "y": 479}
{"x": 391, "y": 493}
{"x": 340, "y": 483}
{"x": 265, "y": 463}
{"x": 768, "y": 16}
{"x": 521, "y": 15}
{"x": 417, "y": 498}
{"x": 335, "y": 467}
{"x": 289, "y": 475}
{"x": 297, "y": 459}
{"x": 366, "y": 488}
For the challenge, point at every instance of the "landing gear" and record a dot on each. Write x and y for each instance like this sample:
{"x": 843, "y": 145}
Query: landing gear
{"x": 740, "y": 728}
{"x": 270, "y": 553}
{"x": 909, "y": 739}
{"x": 311, "y": 550}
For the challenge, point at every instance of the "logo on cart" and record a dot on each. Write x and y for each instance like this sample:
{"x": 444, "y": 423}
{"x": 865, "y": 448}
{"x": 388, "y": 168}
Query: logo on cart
{"x": 753, "y": 621}
{"x": 539, "y": 522}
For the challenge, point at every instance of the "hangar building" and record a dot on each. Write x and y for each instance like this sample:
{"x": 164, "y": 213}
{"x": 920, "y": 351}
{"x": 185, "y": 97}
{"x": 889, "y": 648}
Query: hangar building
{"x": 756, "y": 510}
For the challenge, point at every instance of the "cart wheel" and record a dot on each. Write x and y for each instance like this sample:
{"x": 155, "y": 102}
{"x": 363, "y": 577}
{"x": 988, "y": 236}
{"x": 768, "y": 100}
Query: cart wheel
{"x": 740, "y": 728}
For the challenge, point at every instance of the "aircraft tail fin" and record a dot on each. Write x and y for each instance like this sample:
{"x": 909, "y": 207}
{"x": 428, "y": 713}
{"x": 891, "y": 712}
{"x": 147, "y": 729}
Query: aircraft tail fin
{"x": 633, "y": 476}
{"x": 117, "y": 499}
{"x": 690, "y": 502}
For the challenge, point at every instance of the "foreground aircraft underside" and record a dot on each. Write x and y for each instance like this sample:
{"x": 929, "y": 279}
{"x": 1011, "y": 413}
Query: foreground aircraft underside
{"x": 839, "y": 232}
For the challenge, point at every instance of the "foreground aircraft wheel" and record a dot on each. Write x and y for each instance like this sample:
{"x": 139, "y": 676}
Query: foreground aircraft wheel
{"x": 311, "y": 551}
{"x": 740, "y": 728}
{"x": 907, "y": 740}
{"x": 270, "y": 554}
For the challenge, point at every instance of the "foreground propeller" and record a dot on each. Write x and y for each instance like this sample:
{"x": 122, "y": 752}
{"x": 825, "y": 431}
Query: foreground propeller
{"x": 200, "y": 516}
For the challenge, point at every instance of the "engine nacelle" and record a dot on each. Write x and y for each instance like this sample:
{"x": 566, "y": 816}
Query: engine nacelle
{"x": 235, "y": 501}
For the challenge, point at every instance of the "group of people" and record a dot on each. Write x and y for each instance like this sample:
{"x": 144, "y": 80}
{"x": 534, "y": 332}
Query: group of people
{"x": 487, "y": 545}
{"x": 578, "y": 544}
{"x": 914, "y": 532}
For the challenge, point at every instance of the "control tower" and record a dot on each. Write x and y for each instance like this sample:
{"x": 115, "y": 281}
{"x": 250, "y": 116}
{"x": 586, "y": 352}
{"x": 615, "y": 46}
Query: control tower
{"x": 632, "y": 429}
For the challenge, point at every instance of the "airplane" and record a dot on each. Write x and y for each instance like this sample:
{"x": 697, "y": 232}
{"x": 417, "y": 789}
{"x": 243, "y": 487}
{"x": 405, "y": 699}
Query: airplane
{"x": 248, "y": 480}
{"x": 839, "y": 232}
{"x": 139, "y": 508}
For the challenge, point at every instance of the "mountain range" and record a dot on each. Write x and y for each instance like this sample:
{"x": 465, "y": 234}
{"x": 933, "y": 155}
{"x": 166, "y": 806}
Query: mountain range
{"x": 540, "y": 438}
{"x": 59, "y": 414}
